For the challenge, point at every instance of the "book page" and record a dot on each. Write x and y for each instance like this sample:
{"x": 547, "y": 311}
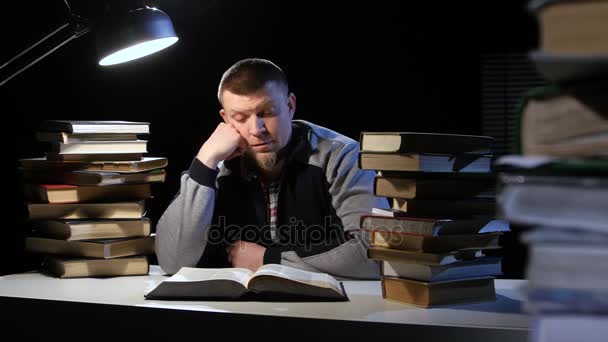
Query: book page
{"x": 191, "y": 274}
{"x": 495, "y": 226}
{"x": 301, "y": 276}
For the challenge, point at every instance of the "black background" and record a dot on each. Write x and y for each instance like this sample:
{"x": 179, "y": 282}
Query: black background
{"x": 354, "y": 66}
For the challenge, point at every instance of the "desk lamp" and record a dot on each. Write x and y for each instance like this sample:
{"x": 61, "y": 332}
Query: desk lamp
{"x": 122, "y": 38}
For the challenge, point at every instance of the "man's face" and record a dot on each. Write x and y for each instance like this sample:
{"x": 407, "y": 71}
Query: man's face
{"x": 263, "y": 119}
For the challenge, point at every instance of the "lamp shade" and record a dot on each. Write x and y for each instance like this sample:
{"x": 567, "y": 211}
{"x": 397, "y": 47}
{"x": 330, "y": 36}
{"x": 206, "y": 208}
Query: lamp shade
{"x": 139, "y": 33}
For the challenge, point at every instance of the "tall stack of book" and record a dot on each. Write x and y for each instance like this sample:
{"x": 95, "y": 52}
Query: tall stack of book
{"x": 87, "y": 198}
{"x": 556, "y": 184}
{"x": 432, "y": 243}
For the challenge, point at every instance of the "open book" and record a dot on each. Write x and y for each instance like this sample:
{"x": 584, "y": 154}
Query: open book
{"x": 270, "y": 282}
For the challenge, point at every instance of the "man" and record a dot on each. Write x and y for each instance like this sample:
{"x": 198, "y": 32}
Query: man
{"x": 268, "y": 189}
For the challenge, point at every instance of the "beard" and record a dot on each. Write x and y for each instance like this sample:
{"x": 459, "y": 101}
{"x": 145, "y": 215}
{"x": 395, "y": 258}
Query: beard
{"x": 265, "y": 162}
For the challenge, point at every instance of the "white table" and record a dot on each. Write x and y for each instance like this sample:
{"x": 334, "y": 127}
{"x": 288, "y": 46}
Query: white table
{"x": 122, "y": 299}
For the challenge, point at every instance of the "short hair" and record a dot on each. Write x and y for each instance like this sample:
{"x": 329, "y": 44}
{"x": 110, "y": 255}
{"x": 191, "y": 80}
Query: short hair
{"x": 250, "y": 75}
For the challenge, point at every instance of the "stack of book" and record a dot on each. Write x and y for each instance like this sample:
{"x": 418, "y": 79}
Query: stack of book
{"x": 432, "y": 243}
{"x": 556, "y": 183}
{"x": 87, "y": 198}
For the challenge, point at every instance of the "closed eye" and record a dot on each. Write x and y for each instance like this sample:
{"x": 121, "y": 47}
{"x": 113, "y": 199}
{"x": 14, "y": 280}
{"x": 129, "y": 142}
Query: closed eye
{"x": 266, "y": 114}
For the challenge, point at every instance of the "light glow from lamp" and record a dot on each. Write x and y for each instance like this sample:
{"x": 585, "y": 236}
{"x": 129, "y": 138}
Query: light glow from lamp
{"x": 137, "y": 51}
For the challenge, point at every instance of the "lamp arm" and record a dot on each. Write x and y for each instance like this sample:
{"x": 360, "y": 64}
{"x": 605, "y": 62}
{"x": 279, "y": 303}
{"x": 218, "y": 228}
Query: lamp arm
{"x": 78, "y": 27}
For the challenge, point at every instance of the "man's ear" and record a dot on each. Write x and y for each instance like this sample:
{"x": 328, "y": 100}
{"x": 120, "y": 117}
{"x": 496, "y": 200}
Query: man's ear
{"x": 224, "y": 115}
{"x": 291, "y": 103}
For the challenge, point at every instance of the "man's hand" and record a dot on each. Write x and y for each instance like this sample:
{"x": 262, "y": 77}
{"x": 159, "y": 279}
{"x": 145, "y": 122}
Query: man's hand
{"x": 225, "y": 143}
{"x": 246, "y": 255}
